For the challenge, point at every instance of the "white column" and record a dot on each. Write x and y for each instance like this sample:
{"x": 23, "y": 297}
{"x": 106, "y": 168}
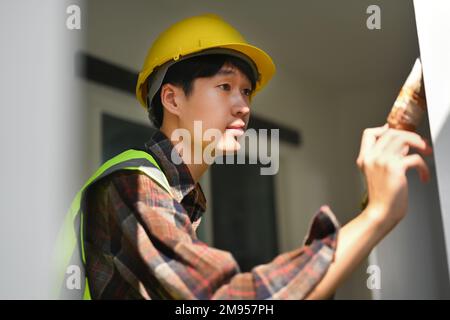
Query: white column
{"x": 433, "y": 26}
{"x": 41, "y": 126}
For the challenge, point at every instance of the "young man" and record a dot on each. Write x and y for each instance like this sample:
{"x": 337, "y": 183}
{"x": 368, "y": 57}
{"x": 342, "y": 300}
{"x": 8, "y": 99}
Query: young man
{"x": 139, "y": 235}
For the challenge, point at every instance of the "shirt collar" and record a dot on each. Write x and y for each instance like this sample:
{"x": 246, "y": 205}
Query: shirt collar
{"x": 182, "y": 184}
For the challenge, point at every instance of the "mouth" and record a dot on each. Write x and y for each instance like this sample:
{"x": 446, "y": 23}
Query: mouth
{"x": 236, "y": 130}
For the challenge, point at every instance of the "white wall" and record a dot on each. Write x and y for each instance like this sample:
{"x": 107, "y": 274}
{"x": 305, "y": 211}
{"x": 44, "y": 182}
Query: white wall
{"x": 434, "y": 28}
{"x": 41, "y": 125}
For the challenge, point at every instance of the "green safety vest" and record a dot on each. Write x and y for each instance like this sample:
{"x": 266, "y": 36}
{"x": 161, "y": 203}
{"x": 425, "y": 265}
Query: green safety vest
{"x": 70, "y": 256}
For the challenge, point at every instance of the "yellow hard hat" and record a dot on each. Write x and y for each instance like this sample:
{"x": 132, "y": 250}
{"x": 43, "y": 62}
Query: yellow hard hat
{"x": 198, "y": 35}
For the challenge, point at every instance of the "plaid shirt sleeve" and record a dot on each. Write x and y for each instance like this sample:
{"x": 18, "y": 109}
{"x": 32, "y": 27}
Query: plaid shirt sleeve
{"x": 140, "y": 243}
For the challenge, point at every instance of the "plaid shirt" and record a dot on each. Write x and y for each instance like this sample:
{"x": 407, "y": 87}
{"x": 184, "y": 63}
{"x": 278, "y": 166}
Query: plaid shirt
{"x": 141, "y": 243}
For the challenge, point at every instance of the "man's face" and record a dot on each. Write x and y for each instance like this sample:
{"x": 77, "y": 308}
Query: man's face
{"x": 220, "y": 102}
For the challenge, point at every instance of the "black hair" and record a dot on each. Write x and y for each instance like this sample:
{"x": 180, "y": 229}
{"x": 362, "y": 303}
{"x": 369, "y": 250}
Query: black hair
{"x": 183, "y": 74}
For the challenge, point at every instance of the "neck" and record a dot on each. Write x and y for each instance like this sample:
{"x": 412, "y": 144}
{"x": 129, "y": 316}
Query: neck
{"x": 196, "y": 169}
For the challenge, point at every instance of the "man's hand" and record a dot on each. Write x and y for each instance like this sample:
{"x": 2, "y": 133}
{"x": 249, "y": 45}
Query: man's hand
{"x": 384, "y": 159}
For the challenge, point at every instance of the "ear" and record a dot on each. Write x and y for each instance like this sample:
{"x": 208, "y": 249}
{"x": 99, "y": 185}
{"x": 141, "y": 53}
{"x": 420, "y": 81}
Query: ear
{"x": 171, "y": 96}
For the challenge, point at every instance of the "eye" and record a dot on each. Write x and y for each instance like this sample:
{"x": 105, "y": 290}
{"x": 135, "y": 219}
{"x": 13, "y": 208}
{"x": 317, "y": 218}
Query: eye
{"x": 225, "y": 86}
{"x": 247, "y": 92}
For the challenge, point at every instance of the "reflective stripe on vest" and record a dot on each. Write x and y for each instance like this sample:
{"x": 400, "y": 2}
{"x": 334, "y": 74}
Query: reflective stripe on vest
{"x": 71, "y": 281}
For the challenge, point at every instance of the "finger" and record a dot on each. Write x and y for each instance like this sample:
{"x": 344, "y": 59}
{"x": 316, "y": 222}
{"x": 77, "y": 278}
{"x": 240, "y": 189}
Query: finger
{"x": 429, "y": 147}
{"x": 368, "y": 140}
{"x": 395, "y": 141}
{"x": 417, "y": 162}
{"x": 404, "y": 150}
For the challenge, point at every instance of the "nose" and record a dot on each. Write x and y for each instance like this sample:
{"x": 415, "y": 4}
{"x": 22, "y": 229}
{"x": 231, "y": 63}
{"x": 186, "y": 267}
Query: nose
{"x": 241, "y": 107}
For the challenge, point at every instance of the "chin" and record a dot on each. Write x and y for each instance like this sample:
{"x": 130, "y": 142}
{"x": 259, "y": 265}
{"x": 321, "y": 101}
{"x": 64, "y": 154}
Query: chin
{"x": 228, "y": 146}
{"x": 233, "y": 149}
